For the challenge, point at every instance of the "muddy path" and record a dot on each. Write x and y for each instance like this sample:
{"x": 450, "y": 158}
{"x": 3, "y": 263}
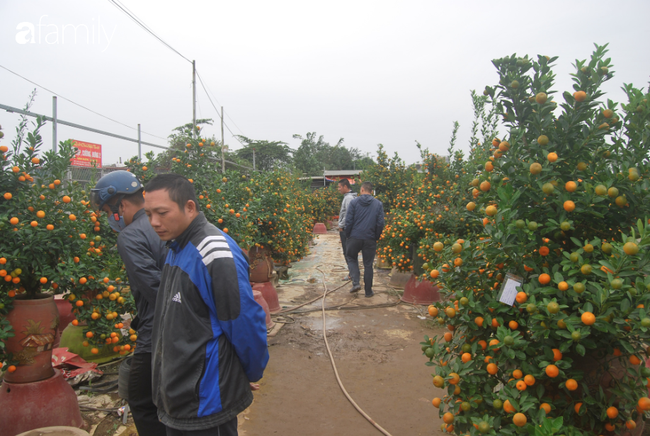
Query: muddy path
{"x": 375, "y": 349}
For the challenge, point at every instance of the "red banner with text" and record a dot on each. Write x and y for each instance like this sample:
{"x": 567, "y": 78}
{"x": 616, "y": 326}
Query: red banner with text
{"x": 88, "y": 154}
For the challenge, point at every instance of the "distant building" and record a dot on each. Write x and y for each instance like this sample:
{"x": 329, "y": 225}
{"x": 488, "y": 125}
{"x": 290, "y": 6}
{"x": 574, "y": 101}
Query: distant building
{"x": 317, "y": 182}
{"x": 351, "y": 175}
{"x": 331, "y": 176}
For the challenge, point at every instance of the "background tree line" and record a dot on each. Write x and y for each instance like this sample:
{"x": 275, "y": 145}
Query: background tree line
{"x": 312, "y": 156}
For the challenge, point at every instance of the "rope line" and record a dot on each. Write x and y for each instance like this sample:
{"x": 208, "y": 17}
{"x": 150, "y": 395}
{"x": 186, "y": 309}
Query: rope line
{"x": 336, "y": 373}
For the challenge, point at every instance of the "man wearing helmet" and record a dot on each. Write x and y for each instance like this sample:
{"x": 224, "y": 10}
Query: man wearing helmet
{"x": 119, "y": 194}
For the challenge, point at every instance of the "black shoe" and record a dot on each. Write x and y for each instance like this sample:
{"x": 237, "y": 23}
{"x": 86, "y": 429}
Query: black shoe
{"x": 355, "y": 289}
{"x": 370, "y": 296}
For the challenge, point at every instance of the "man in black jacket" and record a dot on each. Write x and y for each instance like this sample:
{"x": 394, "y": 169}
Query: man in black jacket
{"x": 364, "y": 223}
{"x": 119, "y": 194}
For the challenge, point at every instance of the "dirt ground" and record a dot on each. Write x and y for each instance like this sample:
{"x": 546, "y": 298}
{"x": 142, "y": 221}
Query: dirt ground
{"x": 375, "y": 346}
{"x": 376, "y": 351}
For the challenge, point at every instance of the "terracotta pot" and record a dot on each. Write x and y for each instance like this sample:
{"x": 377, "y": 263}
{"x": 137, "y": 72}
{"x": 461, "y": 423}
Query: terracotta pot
{"x": 261, "y": 265}
{"x": 66, "y": 316}
{"x": 259, "y": 298}
{"x": 270, "y": 295}
{"x": 399, "y": 279}
{"x": 45, "y": 403}
{"x": 35, "y": 325}
{"x": 420, "y": 292}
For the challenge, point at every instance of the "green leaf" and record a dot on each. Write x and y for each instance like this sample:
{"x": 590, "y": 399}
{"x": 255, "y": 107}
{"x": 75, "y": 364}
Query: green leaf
{"x": 625, "y": 305}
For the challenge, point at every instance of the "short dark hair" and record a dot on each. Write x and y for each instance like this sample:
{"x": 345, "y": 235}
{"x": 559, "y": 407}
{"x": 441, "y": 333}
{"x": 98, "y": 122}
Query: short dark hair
{"x": 136, "y": 198}
{"x": 367, "y": 186}
{"x": 345, "y": 182}
{"x": 179, "y": 188}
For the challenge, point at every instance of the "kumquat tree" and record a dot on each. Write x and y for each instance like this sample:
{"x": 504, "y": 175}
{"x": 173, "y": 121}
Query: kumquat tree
{"x": 265, "y": 209}
{"x": 324, "y": 203}
{"x": 54, "y": 243}
{"x": 432, "y": 200}
{"x": 72, "y": 248}
{"x": 546, "y": 304}
{"x": 389, "y": 176}
{"x": 430, "y": 203}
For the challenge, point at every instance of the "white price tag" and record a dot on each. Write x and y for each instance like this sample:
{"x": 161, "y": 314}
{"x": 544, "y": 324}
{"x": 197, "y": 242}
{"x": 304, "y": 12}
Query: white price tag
{"x": 509, "y": 289}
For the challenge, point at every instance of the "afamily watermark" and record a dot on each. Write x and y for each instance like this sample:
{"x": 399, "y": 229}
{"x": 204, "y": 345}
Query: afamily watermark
{"x": 45, "y": 32}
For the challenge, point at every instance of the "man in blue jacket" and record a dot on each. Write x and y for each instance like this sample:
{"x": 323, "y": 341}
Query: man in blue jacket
{"x": 364, "y": 223}
{"x": 209, "y": 337}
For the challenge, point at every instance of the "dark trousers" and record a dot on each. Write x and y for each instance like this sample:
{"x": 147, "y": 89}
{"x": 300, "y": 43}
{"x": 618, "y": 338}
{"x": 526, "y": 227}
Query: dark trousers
{"x": 144, "y": 411}
{"x": 227, "y": 429}
{"x": 344, "y": 241}
{"x": 368, "y": 248}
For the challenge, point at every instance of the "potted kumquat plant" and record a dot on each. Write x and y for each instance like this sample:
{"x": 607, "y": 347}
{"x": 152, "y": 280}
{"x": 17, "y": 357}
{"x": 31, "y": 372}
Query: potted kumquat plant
{"x": 547, "y": 304}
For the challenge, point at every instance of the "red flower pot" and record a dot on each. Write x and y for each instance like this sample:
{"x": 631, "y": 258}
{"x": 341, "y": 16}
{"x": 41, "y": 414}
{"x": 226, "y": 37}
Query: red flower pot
{"x": 259, "y": 298}
{"x": 66, "y": 316}
{"x": 261, "y": 265}
{"x": 417, "y": 292}
{"x": 45, "y": 403}
{"x": 35, "y": 324}
{"x": 270, "y": 295}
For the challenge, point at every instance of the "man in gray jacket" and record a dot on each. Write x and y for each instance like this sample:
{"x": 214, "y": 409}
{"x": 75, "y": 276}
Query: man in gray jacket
{"x": 345, "y": 189}
{"x": 119, "y": 194}
{"x": 364, "y": 222}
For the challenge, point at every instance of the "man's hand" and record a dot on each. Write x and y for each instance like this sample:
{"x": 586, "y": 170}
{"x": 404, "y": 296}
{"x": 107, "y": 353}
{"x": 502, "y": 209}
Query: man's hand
{"x": 254, "y": 387}
{"x": 340, "y": 229}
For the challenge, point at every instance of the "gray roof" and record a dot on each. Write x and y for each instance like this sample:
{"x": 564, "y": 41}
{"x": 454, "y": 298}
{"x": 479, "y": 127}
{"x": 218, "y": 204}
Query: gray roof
{"x": 342, "y": 172}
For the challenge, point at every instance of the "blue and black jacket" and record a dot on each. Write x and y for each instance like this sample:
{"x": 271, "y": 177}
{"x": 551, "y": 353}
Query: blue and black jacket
{"x": 209, "y": 336}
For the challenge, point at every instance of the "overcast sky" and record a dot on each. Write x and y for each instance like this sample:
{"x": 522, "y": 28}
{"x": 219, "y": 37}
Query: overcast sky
{"x": 367, "y": 71}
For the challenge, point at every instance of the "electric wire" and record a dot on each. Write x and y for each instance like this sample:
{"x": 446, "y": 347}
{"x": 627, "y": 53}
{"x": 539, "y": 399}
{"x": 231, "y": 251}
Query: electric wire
{"x": 217, "y": 110}
{"x": 336, "y": 373}
{"x": 140, "y": 23}
{"x": 77, "y": 104}
{"x": 208, "y": 90}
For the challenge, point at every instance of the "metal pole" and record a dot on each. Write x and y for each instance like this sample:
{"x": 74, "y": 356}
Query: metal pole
{"x": 193, "y": 99}
{"x": 54, "y": 124}
{"x": 223, "y": 162}
{"x": 76, "y": 126}
{"x": 253, "y": 159}
{"x": 139, "y": 144}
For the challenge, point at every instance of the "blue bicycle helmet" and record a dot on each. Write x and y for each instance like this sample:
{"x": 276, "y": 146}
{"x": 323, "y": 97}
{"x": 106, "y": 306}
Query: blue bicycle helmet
{"x": 117, "y": 183}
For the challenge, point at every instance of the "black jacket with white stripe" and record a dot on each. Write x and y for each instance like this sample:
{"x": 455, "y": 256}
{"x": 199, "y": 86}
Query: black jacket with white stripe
{"x": 209, "y": 333}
